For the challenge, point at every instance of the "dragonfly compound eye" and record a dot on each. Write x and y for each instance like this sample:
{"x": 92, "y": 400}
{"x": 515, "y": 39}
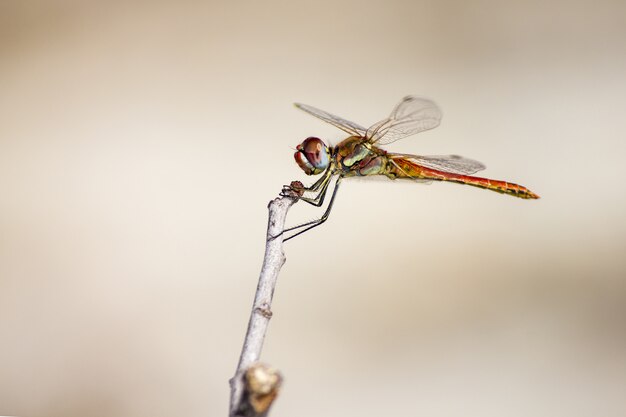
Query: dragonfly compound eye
{"x": 312, "y": 156}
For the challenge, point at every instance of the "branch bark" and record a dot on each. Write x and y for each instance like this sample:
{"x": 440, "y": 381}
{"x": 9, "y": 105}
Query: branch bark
{"x": 254, "y": 386}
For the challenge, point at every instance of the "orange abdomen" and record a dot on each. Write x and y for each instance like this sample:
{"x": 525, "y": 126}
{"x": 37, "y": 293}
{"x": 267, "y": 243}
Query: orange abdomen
{"x": 403, "y": 168}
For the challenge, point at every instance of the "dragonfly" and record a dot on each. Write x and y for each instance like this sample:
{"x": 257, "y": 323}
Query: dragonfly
{"x": 361, "y": 155}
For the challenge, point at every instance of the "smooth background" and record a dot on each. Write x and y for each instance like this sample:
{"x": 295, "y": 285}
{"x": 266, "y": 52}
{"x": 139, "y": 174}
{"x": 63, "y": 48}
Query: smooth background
{"x": 140, "y": 143}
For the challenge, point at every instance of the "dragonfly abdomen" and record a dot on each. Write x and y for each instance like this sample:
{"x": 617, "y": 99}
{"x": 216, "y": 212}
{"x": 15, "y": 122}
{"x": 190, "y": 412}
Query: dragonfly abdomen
{"x": 403, "y": 168}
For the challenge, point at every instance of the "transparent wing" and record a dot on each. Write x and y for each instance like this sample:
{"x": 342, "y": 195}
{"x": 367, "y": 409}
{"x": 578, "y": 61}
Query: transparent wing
{"x": 345, "y": 125}
{"x": 448, "y": 163}
{"x": 412, "y": 115}
{"x": 382, "y": 178}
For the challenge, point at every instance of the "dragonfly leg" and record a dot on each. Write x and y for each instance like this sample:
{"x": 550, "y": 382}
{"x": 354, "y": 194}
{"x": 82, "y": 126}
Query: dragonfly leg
{"x": 318, "y": 200}
{"x": 321, "y": 185}
{"x": 297, "y": 187}
{"x": 310, "y": 225}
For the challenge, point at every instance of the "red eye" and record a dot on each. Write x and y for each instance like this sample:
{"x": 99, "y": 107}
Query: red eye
{"x": 312, "y": 155}
{"x": 314, "y": 151}
{"x": 312, "y": 145}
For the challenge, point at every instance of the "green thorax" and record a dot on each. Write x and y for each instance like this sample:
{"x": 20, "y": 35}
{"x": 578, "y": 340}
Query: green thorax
{"x": 353, "y": 157}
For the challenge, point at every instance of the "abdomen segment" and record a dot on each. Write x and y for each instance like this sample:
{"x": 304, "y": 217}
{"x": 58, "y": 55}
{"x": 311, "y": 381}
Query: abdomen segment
{"x": 404, "y": 168}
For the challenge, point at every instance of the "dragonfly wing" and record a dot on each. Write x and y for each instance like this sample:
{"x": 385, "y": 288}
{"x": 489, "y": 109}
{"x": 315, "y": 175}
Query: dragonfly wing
{"x": 412, "y": 115}
{"x": 382, "y": 178}
{"x": 343, "y": 124}
{"x": 447, "y": 163}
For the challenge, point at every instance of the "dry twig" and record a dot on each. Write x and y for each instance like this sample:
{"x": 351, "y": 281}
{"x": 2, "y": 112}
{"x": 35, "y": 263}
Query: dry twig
{"x": 254, "y": 386}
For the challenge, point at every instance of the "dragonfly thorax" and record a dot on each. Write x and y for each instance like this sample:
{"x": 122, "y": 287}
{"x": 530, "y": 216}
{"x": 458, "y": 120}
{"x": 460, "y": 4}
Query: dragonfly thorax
{"x": 312, "y": 155}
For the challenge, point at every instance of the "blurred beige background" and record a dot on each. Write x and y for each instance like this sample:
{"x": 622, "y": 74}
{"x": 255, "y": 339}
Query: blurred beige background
{"x": 140, "y": 143}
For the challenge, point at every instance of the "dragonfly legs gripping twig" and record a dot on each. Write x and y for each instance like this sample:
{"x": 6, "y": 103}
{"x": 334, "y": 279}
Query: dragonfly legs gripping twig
{"x": 314, "y": 223}
{"x": 321, "y": 185}
{"x": 298, "y": 188}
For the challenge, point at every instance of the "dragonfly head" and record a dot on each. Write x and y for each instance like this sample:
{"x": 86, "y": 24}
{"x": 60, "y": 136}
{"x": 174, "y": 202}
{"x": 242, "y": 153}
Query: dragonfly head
{"x": 312, "y": 155}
